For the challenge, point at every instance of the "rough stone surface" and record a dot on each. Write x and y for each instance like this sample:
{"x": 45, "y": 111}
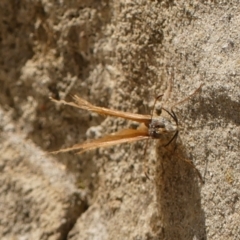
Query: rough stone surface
{"x": 119, "y": 54}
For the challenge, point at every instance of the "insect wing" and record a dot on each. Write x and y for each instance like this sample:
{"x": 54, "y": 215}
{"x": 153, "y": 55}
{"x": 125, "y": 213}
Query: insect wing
{"x": 123, "y": 136}
{"x": 83, "y": 104}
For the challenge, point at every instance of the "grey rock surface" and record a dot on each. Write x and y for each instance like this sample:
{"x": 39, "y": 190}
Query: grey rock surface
{"x": 120, "y": 55}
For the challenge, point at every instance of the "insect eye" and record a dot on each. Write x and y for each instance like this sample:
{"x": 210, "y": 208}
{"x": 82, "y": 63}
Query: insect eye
{"x": 160, "y": 125}
{"x": 158, "y": 111}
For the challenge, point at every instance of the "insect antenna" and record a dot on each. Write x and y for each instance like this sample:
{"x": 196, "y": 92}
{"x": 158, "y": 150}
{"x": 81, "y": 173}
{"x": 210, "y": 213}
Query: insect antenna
{"x": 172, "y": 113}
{"x": 174, "y": 116}
{"x": 188, "y": 97}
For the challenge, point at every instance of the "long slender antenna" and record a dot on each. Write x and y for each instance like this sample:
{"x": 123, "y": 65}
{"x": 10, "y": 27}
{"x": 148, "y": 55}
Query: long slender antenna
{"x": 185, "y": 99}
{"x": 154, "y": 104}
{"x": 174, "y": 116}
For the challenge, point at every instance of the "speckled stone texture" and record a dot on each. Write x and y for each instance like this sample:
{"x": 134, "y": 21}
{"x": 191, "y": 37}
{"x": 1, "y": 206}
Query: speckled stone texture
{"x": 119, "y": 54}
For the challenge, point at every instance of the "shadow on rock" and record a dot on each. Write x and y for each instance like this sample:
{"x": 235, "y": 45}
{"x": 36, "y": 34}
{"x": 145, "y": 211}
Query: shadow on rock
{"x": 178, "y": 195}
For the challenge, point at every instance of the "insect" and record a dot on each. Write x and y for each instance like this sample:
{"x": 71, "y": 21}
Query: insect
{"x": 150, "y": 127}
